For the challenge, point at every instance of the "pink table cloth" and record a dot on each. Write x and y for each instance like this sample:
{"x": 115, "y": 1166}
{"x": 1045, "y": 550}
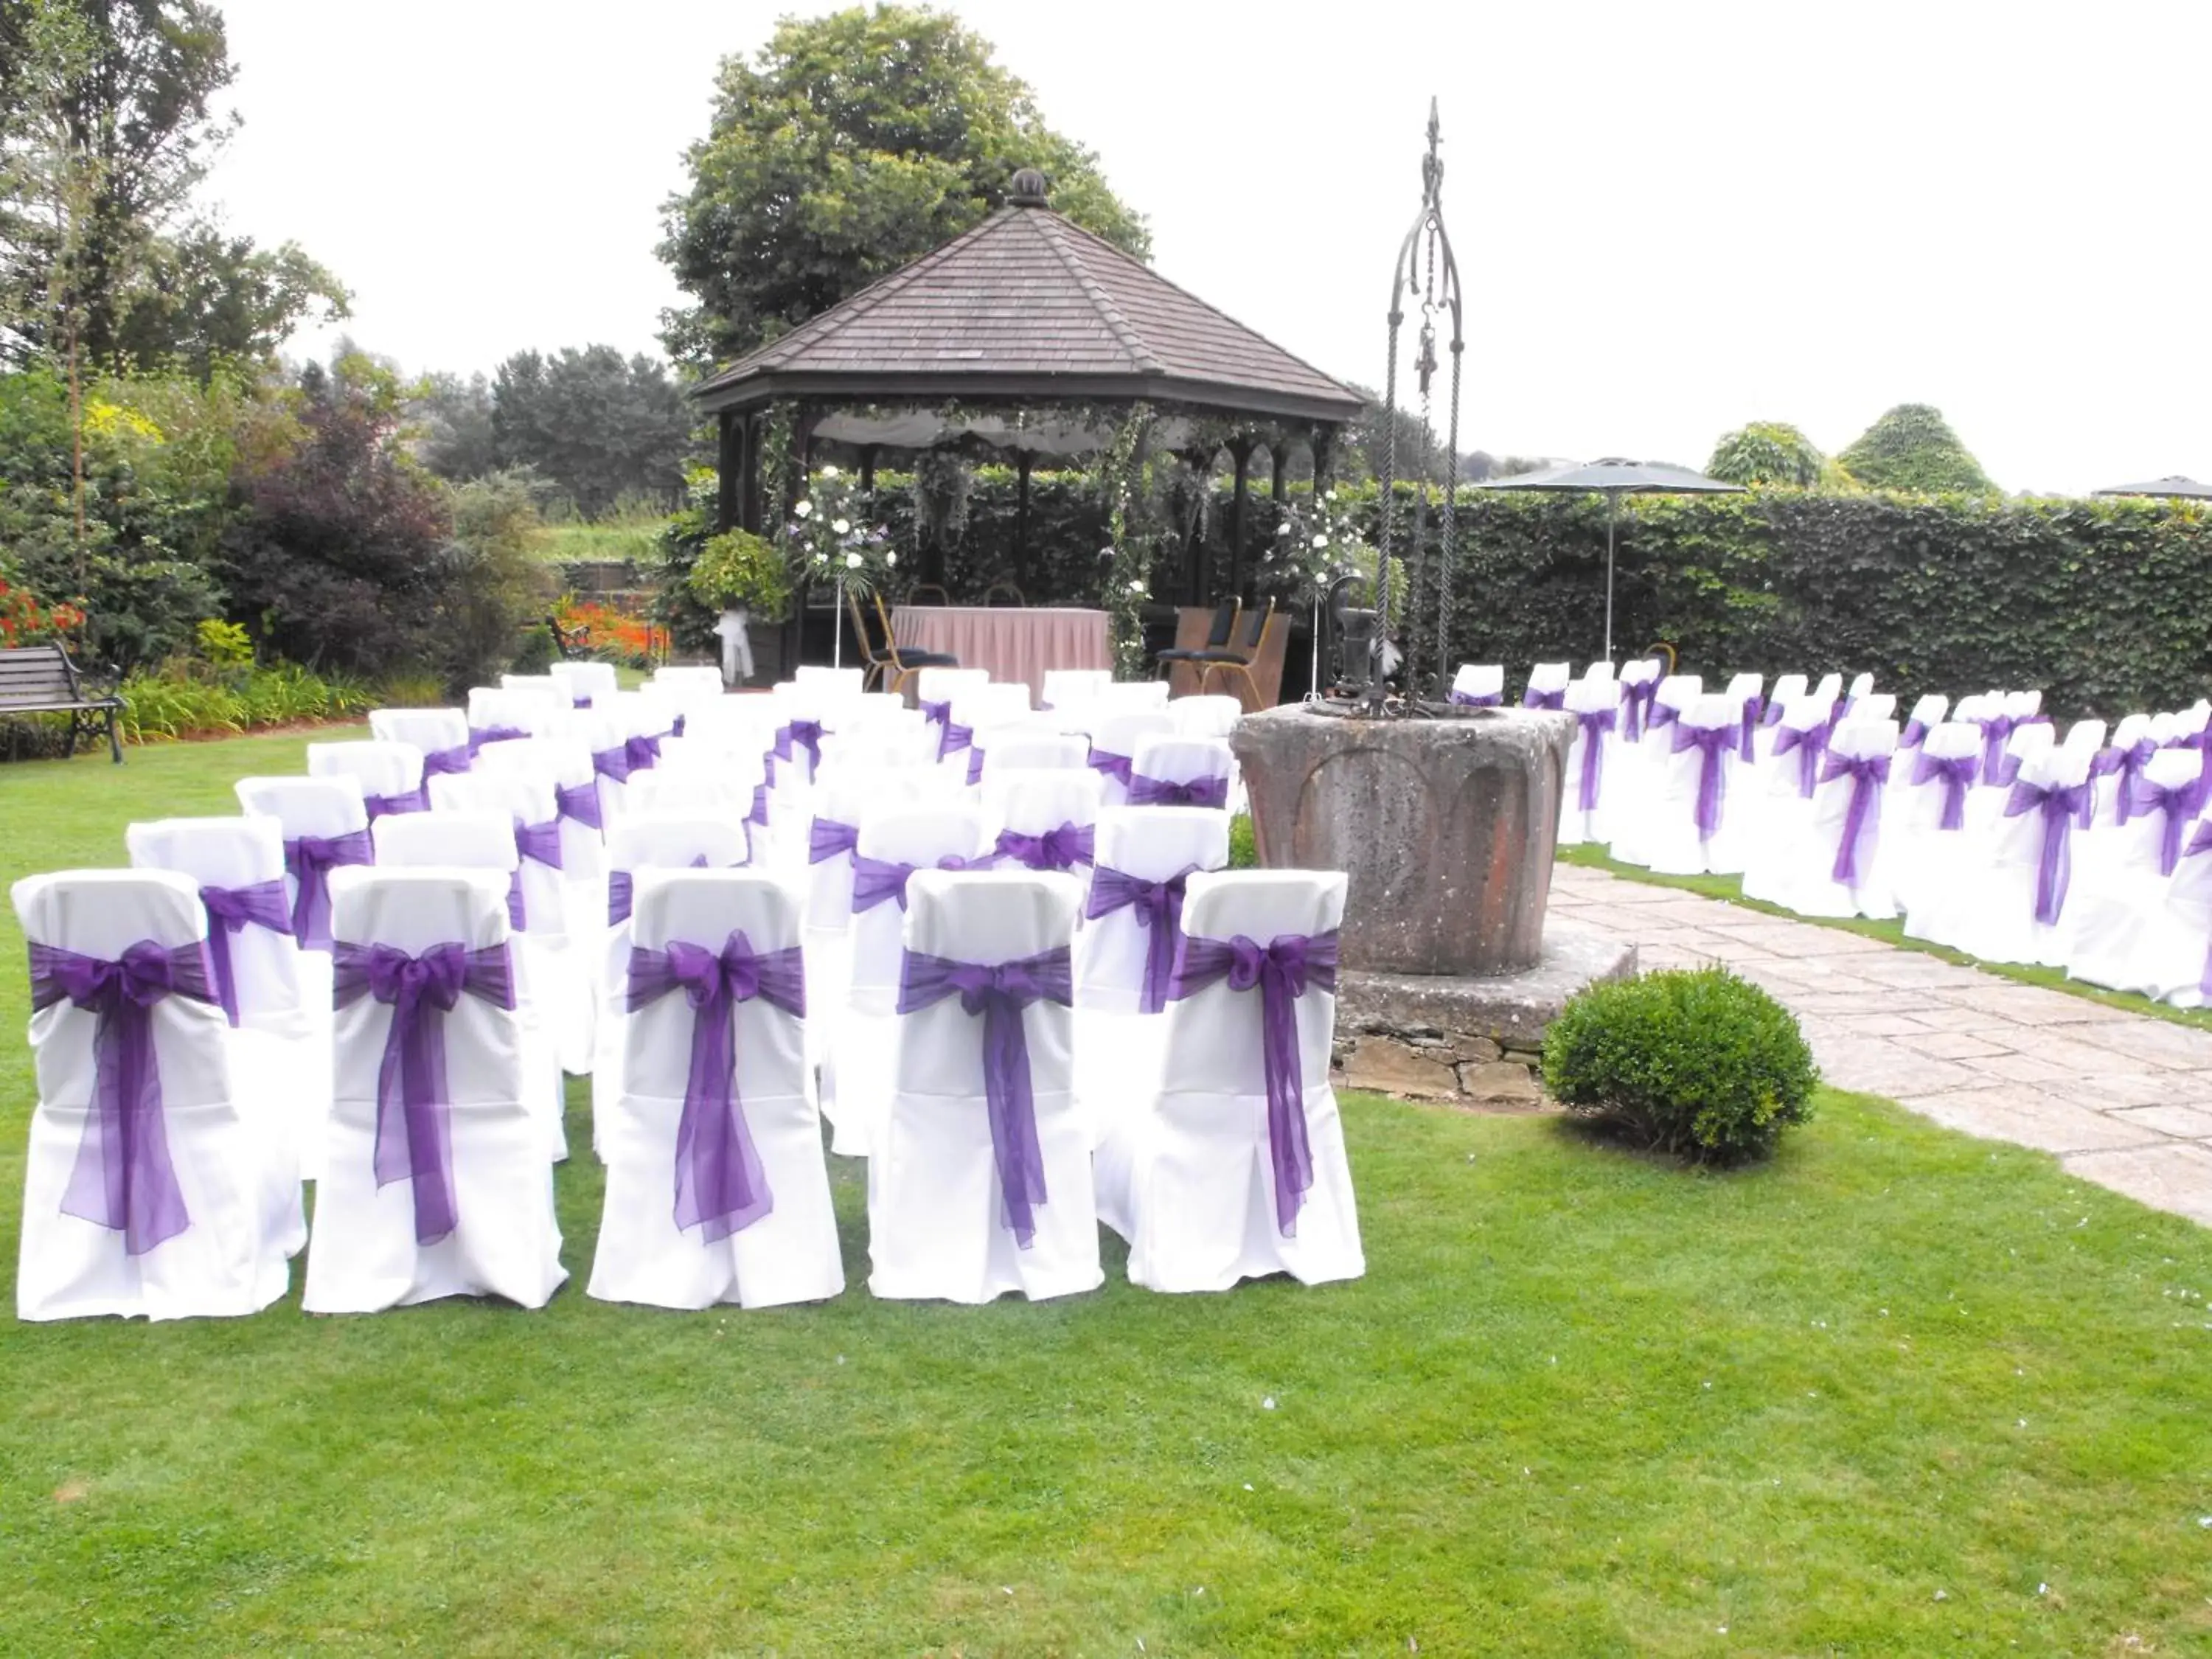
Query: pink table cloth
{"x": 1013, "y": 644}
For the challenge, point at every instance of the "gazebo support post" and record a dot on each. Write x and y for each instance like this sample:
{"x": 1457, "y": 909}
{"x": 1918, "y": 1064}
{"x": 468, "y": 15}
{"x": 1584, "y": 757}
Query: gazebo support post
{"x": 729, "y": 469}
{"x": 868, "y": 452}
{"x": 1277, "y": 452}
{"x": 1240, "y": 451}
{"x": 1023, "y": 460}
{"x": 751, "y": 505}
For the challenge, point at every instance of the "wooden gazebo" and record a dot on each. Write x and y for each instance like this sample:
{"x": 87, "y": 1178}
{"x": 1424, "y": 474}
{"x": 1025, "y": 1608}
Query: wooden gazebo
{"x": 1024, "y": 333}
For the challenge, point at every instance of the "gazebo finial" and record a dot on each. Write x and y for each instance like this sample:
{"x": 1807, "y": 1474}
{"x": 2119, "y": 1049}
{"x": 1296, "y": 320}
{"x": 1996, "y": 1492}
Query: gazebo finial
{"x": 1030, "y": 188}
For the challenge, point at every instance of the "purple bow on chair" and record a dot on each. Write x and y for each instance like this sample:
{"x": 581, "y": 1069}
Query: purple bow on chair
{"x": 1774, "y": 712}
{"x": 1713, "y": 742}
{"x": 643, "y": 753}
{"x": 803, "y": 734}
{"x": 1996, "y": 729}
{"x": 1061, "y": 848}
{"x": 123, "y": 1179}
{"x": 446, "y": 762}
{"x": 1747, "y": 749}
{"x": 721, "y": 1187}
{"x": 1956, "y": 773}
{"x": 975, "y": 764}
{"x": 1113, "y": 766}
{"x": 622, "y": 891}
{"x": 2180, "y": 803}
{"x": 1636, "y": 697}
{"x": 540, "y": 841}
{"x": 2125, "y": 764}
{"x": 759, "y": 813}
{"x": 403, "y": 800}
{"x": 613, "y": 763}
{"x": 228, "y": 911}
{"x": 309, "y": 860}
{"x": 1595, "y": 723}
{"x": 1477, "y": 699}
{"x": 935, "y": 713}
{"x": 481, "y": 735}
{"x": 1914, "y": 734}
{"x": 675, "y": 726}
{"x": 1165, "y": 791}
{"x": 999, "y": 994}
{"x": 1159, "y": 907}
{"x": 1862, "y": 816}
{"x": 826, "y": 837}
{"x": 2062, "y": 807}
{"x": 1532, "y": 698}
{"x": 1662, "y": 715}
{"x": 953, "y": 738}
{"x": 875, "y": 880}
{"x": 1283, "y": 969}
{"x": 579, "y": 802}
{"x": 1810, "y": 743}
{"x": 580, "y": 700}
{"x": 414, "y": 1118}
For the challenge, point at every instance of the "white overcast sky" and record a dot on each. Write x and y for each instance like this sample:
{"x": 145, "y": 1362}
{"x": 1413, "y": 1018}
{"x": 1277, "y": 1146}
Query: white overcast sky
{"x": 1671, "y": 217}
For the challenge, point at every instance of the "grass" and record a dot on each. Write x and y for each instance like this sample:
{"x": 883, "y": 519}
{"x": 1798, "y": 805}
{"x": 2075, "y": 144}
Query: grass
{"x": 1584, "y": 1402}
{"x": 609, "y": 541}
{"x": 1730, "y": 887}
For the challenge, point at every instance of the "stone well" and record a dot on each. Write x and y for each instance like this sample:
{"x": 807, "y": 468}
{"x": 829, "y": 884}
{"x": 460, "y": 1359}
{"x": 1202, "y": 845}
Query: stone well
{"x": 1445, "y": 828}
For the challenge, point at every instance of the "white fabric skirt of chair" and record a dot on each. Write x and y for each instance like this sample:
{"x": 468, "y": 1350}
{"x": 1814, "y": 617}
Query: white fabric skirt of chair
{"x": 943, "y": 1220}
{"x": 377, "y": 1242}
{"x": 724, "y": 1200}
{"x": 1638, "y": 768}
{"x": 2147, "y": 933}
{"x": 1834, "y": 867}
{"x": 588, "y": 684}
{"x": 1192, "y": 1181}
{"x": 2006, "y": 904}
{"x": 1595, "y": 705}
{"x": 184, "y": 1234}
{"x": 1685, "y": 815}
{"x": 1924, "y": 834}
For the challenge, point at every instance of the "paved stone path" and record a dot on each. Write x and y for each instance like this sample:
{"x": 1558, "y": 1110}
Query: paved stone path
{"x": 2123, "y": 1100}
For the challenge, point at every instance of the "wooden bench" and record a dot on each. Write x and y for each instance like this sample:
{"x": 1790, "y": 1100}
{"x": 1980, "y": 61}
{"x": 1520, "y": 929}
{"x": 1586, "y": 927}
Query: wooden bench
{"x": 572, "y": 645}
{"x": 40, "y": 679}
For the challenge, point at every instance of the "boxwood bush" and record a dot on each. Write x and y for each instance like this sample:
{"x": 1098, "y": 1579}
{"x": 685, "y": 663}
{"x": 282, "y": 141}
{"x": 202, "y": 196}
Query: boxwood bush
{"x": 1691, "y": 1061}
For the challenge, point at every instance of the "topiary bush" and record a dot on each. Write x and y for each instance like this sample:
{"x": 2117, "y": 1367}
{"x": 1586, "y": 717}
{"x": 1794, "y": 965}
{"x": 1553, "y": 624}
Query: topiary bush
{"x": 1693, "y": 1061}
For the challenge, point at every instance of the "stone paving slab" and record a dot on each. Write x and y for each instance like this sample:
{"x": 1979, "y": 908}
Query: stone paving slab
{"x": 2123, "y": 1099}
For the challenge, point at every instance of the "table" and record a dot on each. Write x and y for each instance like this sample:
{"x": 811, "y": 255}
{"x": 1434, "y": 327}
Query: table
{"x": 1015, "y": 644}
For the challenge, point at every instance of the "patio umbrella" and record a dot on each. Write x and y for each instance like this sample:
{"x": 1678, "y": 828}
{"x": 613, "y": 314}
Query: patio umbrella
{"x": 2175, "y": 485}
{"x": 1617, "y": 478}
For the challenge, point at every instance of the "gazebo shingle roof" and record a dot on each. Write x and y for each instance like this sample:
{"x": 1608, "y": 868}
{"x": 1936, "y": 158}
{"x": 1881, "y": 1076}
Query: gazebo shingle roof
{"x": 1027, "y": 305}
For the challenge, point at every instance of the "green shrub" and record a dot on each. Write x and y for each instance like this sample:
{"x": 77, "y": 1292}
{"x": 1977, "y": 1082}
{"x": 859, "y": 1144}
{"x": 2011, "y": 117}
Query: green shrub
{"x": 535, "y": 654}
{"x": 171, "y": 704}
{"x": 1696, "y": 1062}
{"x": 1243, "y": 845}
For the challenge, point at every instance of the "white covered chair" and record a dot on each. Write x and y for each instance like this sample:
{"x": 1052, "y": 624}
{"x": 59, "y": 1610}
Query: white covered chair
{"x": 1478, "y": 685}
{"x": 1130, "y": 697}
{"x": 1928, "y": 713}
{"x": 170, "y": 1220}
{"x": 2115, "y": 767}
{"x": 504, "y": 715}
{"x": 831, "y": 685}
{"x": 279, "y": 1050}
{"x": 1031, "y": 748}
{"x": 1547, "y": 685}
{"x": 1685, "y": 813}
{"x": 564, "y": 766}
{"x": 442, "y": 735}
{"x": 1181, "y": 771}
{"x": 2149, "y": 934}
{"x": 1834, "y": 866}
{"x": 589, "y": 684}
{"x": 934, "y": 691}
{"x": 891, "y": 847}
{"x": 1043, "y": 820}
{"x": 1595, "y": 705}
{"x": 1743, "y": 690}
{"x": 725, "y": 1197}
{"x": 1639, "y": 684}
{"x": 1925, "y": 831}
{"x": 1114, "y": 740}
{"x": 2164, "y": 800}
{"x": 430, "y": 1191}
{"x": 1639, "y": 766}
{"x": 1599, "y": 670}
{"x": 543, "y": 687}
{"x": 391, "y": 774}
{"x": 2007, "y": 905}
{"x": 977, "y": 709}
{"x": 1787, "y": 689}
{"x": 1064, "y": 688}
{"x": 980, "y": 1181}
{"x": 1209, "y": 716}
{"x": 1203, "y": 1180}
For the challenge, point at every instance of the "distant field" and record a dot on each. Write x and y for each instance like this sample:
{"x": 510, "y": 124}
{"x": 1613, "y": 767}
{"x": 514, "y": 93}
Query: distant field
{"x": 608, "y": 542}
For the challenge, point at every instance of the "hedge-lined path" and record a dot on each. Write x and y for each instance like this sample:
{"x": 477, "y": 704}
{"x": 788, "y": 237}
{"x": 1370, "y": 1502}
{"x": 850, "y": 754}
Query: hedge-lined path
{"x": 2123, "y": 1100}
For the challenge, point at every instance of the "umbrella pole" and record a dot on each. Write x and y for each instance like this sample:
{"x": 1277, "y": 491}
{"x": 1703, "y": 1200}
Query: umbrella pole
{"x": 1612, "y": 506}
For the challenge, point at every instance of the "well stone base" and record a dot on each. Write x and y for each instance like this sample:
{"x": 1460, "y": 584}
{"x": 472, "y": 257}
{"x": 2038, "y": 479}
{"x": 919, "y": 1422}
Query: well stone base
{"x": 1475, "y": 1042}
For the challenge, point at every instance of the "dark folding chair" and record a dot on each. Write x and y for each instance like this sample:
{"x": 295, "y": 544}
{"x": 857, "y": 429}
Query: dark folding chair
{"x": 1237, "y": 660}
{"x": 888, "y": 662}
{"x": 1216, "y": 639}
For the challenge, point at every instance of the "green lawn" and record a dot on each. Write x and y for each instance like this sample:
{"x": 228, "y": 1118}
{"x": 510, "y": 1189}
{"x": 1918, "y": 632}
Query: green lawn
{"x": 1899, "y": 1393}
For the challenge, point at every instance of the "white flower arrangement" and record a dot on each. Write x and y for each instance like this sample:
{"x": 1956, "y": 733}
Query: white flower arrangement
{"x": 828, "y": 539}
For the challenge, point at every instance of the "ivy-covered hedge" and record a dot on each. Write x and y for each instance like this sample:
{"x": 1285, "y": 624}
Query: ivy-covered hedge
{"x": 2107, "y": 605}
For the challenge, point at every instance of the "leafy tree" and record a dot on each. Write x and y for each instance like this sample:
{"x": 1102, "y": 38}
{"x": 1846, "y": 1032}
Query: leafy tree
{"x": 205, "y": 297}
{"x": 597, "y": 426}
{"x": 1913, "y": 447}
{"x": 455, "y": 438}
{"x": 850, "y": 145}
{"x": 492, "y": 585}
{"x": 1767, "y": 452}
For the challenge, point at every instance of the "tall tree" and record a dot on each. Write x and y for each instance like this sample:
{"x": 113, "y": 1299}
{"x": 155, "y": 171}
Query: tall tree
{"x": 1913, "y": 447}
{"x": 596, "y": 425}
{"x": 204, "y": 297}
{"x": 1767, "y": 452}
{"x": 851, "y": 144}
{"x": 455, "y": 436}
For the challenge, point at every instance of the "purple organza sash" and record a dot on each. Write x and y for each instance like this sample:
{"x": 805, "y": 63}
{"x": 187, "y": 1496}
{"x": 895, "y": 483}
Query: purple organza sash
{"x": 954, "y": 739}
{"x": 1914, "y": 734}
{"x": 1282, "y": 970}
{"x": 622, "y": 891}
{"x": 579, "y": 802}
{"x": 309, "y": 860}
{"x": 1636, "y": 709}
{"x": 413, "y": 1117}
{"x": 228, "y": 911}
{"x": 446, "y": 762}
{"x": 580, "y": 700}
{"x": 1996, "y": 729}
{"x": 759, "y": 814}
{"x": 1753, "y": 705}
{"x": 1478, "y": 699}
{"x": 1774, "y": 712}
{"x": 803, "y": 734}
{"x": 721, "y": 1186}
{"x": 999, "y": 994}
{"x": 675, "y": 727}
{"x": 826, "y": 837}
{"x": 1810, "y": 743}
{"x": 404, "y": 800}
{"x": 935, "y": 713}
{"x": 643, "y": 753}
{"x": 613, "y": 763}
{"x": 1532, "y": 698}
{"x": 1662, "y": 715}
{"x": 1595, "y": 723}
{"x": 875, "y": 880}
{"x": 1713, "y": 742}
{"x": 2125, "y": 764}
{"x": 1166, "y": 792}
{"x": 481, "y": 735}
{"x": 2180, "y": 804}
{"x": 123, "y": 1179}
{"x": 1113, "y": 766}
{"x": 1956, "y": 772}
{"x": 1159, "y": 907}
{"x": 1061, "y": 848}
{"x": 2061, "y": 806}
{"x": 975, "y": 764}
{"x": 541, "y": 841}
{"x": 1862, "y": 816}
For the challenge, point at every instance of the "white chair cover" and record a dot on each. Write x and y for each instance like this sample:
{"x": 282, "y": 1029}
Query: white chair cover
{"x": 1599, "y": 670}
{"x": 436, "y": 731}
{"x": 831, "y": 685}
{"x": 1114, "y": 741}
{"x": 1031, "y": 748}
{"x": 1810, "y": 873}
{"x": 976, "y": 710}
{"x": 588, "y": 683}
{"x": 1988, "y": 905}
{"x": 1547, "y": 679}
{"x": 1875, "y": 706}
{"x": 647, "y": 1251}
{"x": 1831, "y": 688}
{"x": 939, "y": 1223}
{"x": 1595, "y": 746}
{"x": 1190, "y": 1179}
{"x": 1928, "y": 713}
{"x": 1130, "y": 697}
{"x": 1924, "y": 783}
{"x": 1672, "y": 841}
{"x": 227, "y": 1259}
{"x": 1065, "y": 687}
{"x": 1040, "y": 804}
{"x": 507, "y": 711}
{"x": 2150, "y": 934}
{"x": 1177, "y": 761}
{"x": 1478, "y": 683}
{"x": 1638, "y": 768}
{"x": 1861, "y": 687}
{"x": 1210, "y": 716}
{"x": 543, "y": 687}
{"x": 275, "y": 1043}
{"x": 704, "y": 679}
{"x": 391, "y": 774}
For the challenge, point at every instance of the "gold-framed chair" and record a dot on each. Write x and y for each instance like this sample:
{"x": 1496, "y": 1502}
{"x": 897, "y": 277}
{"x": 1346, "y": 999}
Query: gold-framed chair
{"x": 1234, "y": 663}
{"x": 1014, "y": 598}
{"x": 886, "y": 663}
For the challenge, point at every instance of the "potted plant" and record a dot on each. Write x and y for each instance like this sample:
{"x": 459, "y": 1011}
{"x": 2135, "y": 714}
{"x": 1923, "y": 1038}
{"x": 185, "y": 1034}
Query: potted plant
{"x": 739, "y": 574}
